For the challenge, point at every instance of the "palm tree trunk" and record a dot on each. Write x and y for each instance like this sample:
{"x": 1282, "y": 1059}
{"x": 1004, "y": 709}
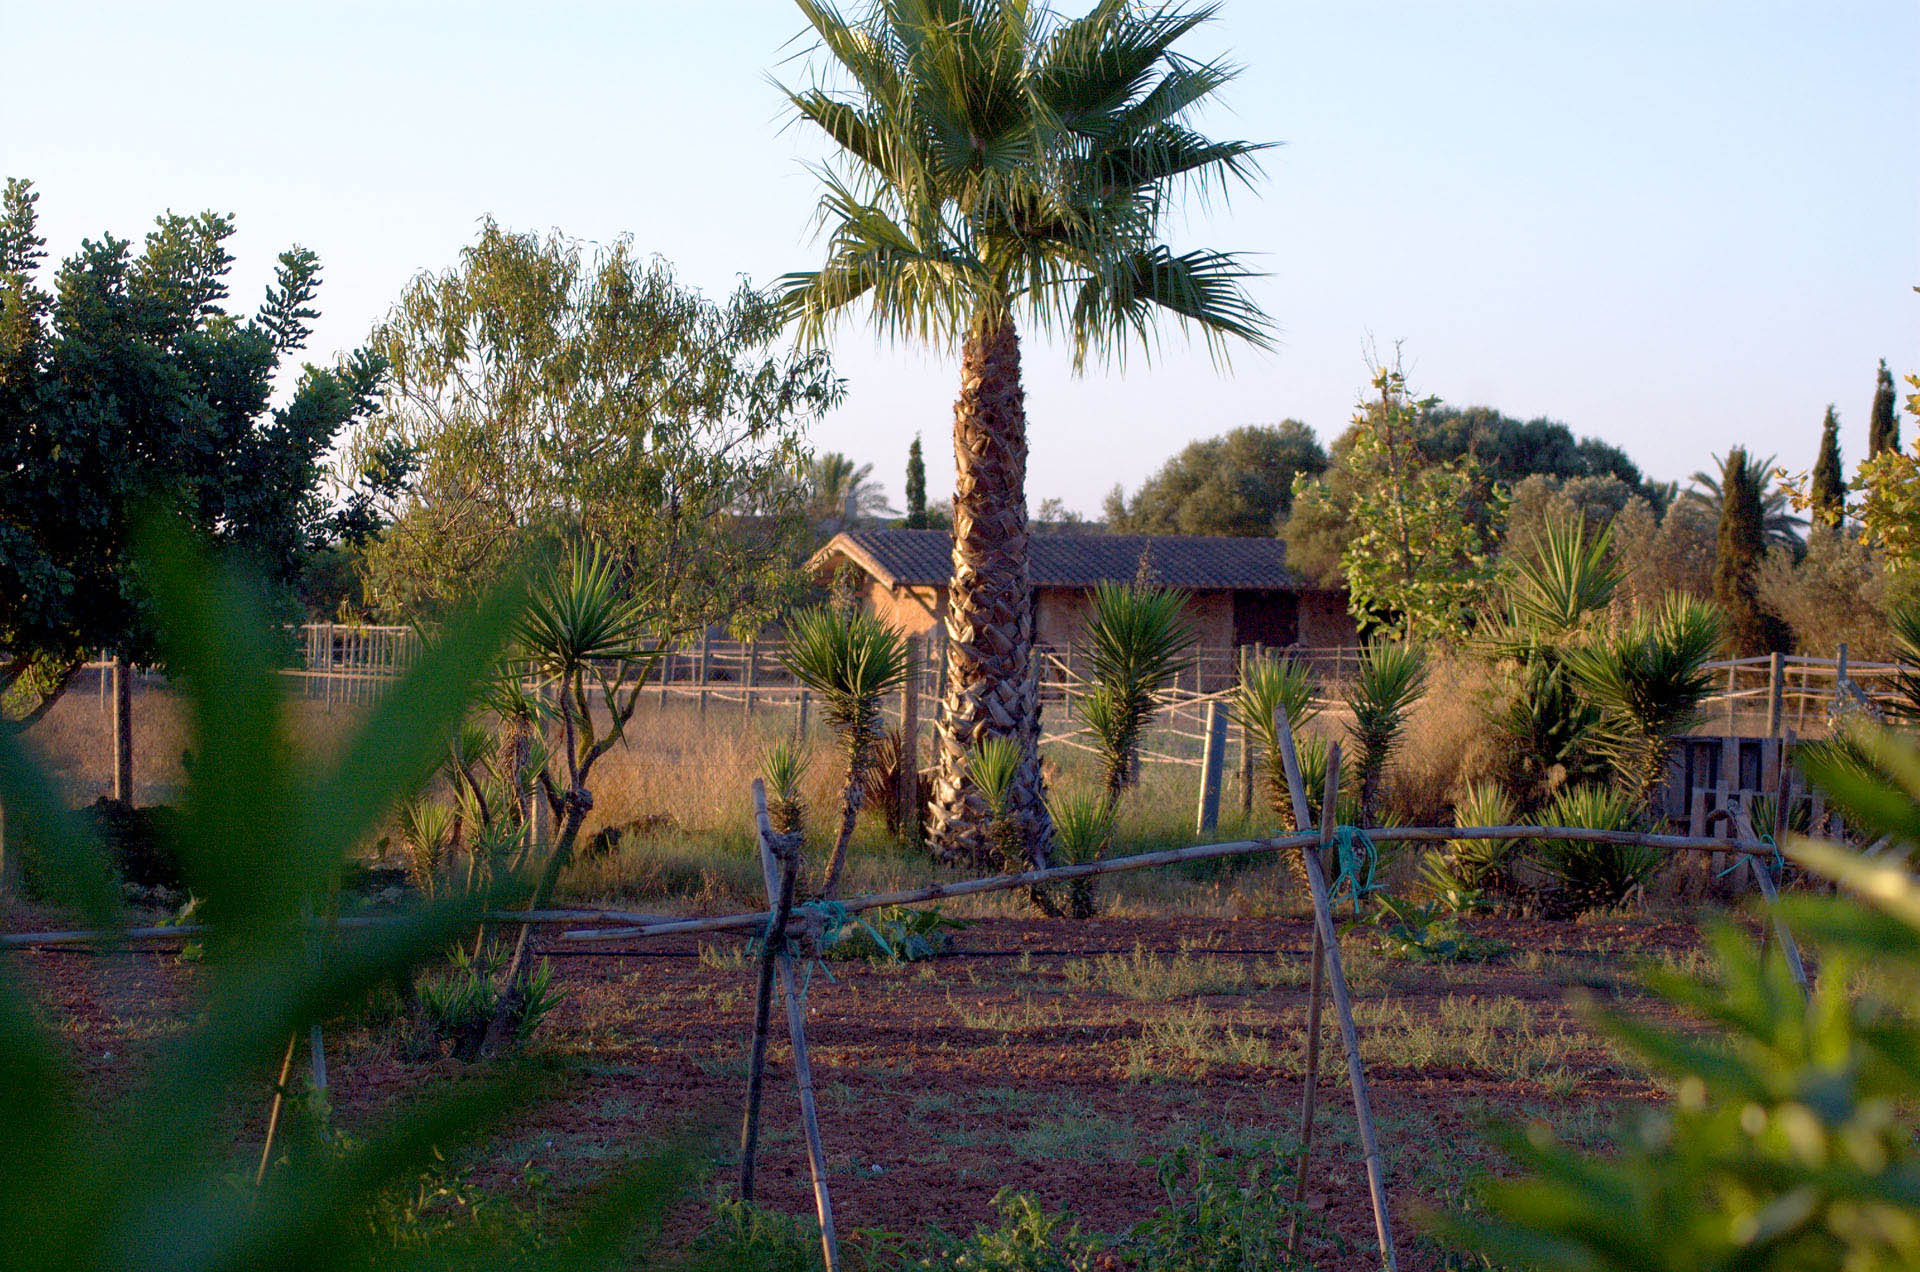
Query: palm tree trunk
{"x": 991, "y": 690}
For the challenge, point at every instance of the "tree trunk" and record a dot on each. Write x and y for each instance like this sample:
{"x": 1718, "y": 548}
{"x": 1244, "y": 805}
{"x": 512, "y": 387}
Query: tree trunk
{"x": 990, "y": 685}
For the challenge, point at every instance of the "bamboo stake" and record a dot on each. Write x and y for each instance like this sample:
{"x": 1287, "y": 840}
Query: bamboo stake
{"x": 1343, "y": 1009}
{"x": 1316, "y": 989}
{"x": 797, "y": 1035}
{"x": 782, "y": 890}
{"x": 273, "y": 1110}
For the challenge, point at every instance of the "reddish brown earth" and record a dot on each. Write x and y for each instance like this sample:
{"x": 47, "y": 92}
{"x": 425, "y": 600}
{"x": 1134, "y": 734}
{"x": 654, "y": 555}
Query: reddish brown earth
{"x": 942, "y": 1083}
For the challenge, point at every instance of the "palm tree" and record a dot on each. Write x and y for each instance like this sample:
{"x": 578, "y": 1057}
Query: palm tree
{"x": 850, "y": 660}
{"x": 997, "y": 160}
{"x": 839, "y": 491}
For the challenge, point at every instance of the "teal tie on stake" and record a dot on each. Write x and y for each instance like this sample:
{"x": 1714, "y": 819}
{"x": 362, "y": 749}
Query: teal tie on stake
{"x": 1777, "y": 867}
{"x": 1357, "y": 859}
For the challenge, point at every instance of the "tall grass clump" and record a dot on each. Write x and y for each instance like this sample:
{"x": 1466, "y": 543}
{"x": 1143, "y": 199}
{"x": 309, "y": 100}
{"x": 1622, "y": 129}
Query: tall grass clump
{"x": 850, "y": 660}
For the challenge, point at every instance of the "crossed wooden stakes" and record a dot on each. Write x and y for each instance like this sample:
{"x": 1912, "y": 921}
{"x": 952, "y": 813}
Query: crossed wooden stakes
{"x": 779, "y": 862}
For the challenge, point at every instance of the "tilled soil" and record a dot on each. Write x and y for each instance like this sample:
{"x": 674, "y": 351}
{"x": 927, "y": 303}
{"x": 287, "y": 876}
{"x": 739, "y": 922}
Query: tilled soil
{"x": 1010, "y": 1064}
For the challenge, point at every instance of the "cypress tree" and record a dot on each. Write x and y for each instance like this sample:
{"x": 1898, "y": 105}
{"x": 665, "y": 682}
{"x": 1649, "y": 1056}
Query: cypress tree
{"x": 1883, "y": 426}
{"x": 1750, "y": 628}
{"x": 1829, "y": 490}
{"x": 916, "y": 488}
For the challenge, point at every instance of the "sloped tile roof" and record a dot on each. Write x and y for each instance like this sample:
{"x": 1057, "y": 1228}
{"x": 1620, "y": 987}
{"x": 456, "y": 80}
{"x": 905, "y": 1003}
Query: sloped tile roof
{"x": 919, "y": 558}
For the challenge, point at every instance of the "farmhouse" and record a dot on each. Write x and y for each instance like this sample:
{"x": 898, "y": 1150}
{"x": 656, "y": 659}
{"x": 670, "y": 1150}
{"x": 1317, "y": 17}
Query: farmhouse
{"x": 1241, "y": 590}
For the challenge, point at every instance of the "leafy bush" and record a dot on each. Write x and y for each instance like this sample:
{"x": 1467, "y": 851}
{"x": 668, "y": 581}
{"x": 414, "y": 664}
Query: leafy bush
{"x": 898, "y": 934}
{"x": 1790, "y": 1143}
{"x": 1426, "y": 934}
{"x": 1589, "y": 876}
{"x": 1224, "y": 1211}
{"x": 1029, "y": 1239}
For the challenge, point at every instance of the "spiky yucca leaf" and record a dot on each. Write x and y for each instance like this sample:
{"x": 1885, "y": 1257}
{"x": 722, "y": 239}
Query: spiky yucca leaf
{"x": 1649, "y": 680}
{"x": 1391, "y": 678}
{"x": 1590, "y": 876}
{"x": 1139, "y": 642}
{"x": 1266, "y": 685}
{"x": 783, "y": 769}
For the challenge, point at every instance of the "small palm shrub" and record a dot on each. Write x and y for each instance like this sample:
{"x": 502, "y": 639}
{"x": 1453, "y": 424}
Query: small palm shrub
{"x": 993, "y": 765}
{"x": 1791, "y": 1142}
{"x": 783, "y": 770}
{"x": 849, "y": 660}
{"x": 1138, "y": 642}
{"x": 1390, "y": 680}
{"x": 455, "y": 1005}
{"x": 1649, "y": 679}
{"x": 1469, "y": 873}
{"x": 1266, "y": 686}
{"x": 886, "y": 769}
{"x": 1082, "y": 832}
{"x": 1589, "y": 876}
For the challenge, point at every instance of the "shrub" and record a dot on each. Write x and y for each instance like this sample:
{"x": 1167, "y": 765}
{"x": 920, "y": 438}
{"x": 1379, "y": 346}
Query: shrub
{"x": 1790, "y": 1143}
{"x": 1082, "y": 832}
{"x": 1390, "y": 680}
{"x": 1649, "y": 680}
{"x": 1468, "y": 873}
{"x": 456, "y": 1004}
{"x": 1266, "y": 685}
{"x": 1224, "y": 1211}
{"x": 1029, "y": 1239}
{"x": 1589, "y": 876}
{"x": 1137, "y": 642}
{"x": 898, "y": 934}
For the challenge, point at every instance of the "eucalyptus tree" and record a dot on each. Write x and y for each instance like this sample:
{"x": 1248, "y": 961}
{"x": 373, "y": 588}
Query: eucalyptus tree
{"x": 998, "y": 164}
{"x": 553, "y": 394}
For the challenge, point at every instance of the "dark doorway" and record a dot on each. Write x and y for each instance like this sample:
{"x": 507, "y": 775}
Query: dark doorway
{"x": 1269, "y": 618}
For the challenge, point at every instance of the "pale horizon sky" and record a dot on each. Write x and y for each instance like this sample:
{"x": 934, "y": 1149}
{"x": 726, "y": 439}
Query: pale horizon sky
{"x": 1676, "y": 226}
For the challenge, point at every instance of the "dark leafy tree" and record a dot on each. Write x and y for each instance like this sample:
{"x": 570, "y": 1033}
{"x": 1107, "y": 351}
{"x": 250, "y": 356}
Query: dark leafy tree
{"x": 130, "y": 383}
{"x": 1883, "y": 425}
{"x": 1829, "y": 488}
{"x": 1240, "y": 483}
{"x": 1750, "y": 628}
{"x": 916, "y": 487}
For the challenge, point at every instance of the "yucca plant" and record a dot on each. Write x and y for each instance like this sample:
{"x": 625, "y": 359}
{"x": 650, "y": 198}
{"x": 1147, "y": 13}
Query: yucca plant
{"x": 1391, "y": 678}
{"x": 1551, "y": 591}
{"x": 141, "y": 1175}
{"x": 1083, "y": 831}
{"x": 583, "y": 633}
{"x": 1266, "y": 686}
{"x": 886, "y": 771}
{"x": 1649, "y": 680}
{"x": 1589, "y": 876}
{"x": 428, "y": 833}
{"x": 849, "y": 660}
{"x": 783, "y": 770}
{"x": 1790, "y": 1142}
{"x": 1903, "y": 625}
{"x": 993, "y": 766}
{"x": 1468, "y": 873}
{"x": 1138, "y": 640}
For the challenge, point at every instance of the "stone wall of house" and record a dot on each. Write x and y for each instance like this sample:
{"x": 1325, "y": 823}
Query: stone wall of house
{"x": 1325, "y": 622}
{"x": 911, "y": 611}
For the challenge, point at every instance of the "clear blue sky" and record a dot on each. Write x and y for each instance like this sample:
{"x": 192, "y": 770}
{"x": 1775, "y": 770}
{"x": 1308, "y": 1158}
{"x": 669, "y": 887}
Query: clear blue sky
{"x": 1678, "y": 226}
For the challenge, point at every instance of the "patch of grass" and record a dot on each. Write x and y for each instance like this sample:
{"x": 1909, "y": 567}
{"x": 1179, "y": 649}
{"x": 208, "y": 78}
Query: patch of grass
{"x": 1501, "y": 1037}
{"x": 1144, "y": 977}
{"x": 1194, "y": 1044}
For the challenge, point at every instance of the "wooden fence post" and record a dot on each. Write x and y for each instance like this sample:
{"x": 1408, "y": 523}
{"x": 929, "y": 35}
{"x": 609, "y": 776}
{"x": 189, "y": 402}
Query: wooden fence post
{"x": 762, "y": 1008}
{"x": 753, "y": 678}
{"x": 1776, "y": 687}
{"x": 909, "y": 791}
{"x": 800, "y": 728}
{"x": 1212, "y": 761}
{"x": 706, "y": 665}
{"x": 123, "y": 730}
